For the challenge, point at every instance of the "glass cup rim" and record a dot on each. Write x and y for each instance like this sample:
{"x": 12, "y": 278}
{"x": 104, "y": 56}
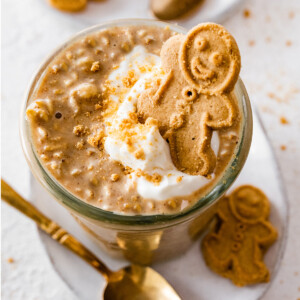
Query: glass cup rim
{"x": 83, "y": 208}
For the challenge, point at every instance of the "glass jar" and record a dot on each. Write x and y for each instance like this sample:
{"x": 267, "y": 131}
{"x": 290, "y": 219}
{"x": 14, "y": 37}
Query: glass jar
{"x": 139, "y": 238}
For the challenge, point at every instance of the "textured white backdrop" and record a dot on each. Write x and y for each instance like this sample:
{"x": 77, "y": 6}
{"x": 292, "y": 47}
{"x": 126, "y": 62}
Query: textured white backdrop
{"x": 269, "y": 41}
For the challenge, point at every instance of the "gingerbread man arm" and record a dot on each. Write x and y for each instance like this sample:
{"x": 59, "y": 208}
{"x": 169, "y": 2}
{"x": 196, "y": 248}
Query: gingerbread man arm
{"x": 226, "y": 121}
{"x": 266, "y": 234}
{"x": 206, "y": 153}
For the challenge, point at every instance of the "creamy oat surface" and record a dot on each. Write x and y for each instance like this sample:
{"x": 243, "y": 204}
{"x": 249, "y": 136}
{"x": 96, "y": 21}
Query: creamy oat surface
{"x": 90, "y": 134}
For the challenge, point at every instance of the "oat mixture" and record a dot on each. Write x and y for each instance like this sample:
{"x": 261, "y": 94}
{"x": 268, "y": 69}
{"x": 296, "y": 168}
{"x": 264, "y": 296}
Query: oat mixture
{"x": 71, "y": 116}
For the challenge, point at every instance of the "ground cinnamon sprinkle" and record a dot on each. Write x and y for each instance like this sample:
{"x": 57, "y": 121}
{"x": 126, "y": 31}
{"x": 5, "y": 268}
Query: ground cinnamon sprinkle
{"x": 283, "y": 120}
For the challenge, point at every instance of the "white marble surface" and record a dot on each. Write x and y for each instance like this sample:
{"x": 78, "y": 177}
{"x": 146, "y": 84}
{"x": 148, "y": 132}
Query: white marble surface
{"x": 269, "y": 41}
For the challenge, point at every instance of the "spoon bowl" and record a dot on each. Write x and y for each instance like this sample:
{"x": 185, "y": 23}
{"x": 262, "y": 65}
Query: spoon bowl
{"x": 138, "y": 283}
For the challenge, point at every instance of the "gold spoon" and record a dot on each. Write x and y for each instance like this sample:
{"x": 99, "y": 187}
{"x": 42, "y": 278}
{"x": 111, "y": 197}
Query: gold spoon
{"x": 130, "y": 283}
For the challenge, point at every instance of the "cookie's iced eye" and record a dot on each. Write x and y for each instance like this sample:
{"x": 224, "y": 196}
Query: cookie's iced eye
{"x": 189, "y": 93}
{"x": 216, "y": 59}
{"x": 201, "y": 43}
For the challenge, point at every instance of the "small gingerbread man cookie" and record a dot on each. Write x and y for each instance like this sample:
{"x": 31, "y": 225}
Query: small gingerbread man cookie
{"x": 194, "y": 98}
{"x": 235, "y": 247}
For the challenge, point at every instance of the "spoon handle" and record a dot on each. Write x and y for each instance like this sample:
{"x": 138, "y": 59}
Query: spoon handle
{"x": 9, "y": 195}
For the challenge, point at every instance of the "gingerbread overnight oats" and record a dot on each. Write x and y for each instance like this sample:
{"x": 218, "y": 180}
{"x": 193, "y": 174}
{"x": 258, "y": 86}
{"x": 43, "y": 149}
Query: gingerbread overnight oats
{"x": 140, "y": 126}
{"x": 99, "y": 129}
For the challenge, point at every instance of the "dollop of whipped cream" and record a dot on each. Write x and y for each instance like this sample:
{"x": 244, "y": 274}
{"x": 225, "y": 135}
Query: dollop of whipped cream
{"x": 140, "y": 147}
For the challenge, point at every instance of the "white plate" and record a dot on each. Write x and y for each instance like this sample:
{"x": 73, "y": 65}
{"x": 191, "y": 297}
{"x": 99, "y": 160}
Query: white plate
{"x": 209, "y": 10}
{"x": 188, "y": 274}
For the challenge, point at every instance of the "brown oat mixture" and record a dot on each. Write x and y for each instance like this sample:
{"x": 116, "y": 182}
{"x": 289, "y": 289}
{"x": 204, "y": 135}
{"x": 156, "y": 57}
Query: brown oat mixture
{"x": 66, "y": 118}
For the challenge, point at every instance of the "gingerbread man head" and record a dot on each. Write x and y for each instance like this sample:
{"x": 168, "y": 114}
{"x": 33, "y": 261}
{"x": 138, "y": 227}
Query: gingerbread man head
{"x": 193, "y": 98}
{"x": 249, "y": 204}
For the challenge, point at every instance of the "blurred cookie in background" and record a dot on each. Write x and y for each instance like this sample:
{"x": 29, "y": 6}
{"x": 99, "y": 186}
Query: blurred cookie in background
{"x": 171, "y": 9}
{"x": 68, "y": 5}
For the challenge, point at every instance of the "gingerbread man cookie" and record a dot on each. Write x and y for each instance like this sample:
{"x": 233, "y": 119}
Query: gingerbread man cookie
{"x": 68, "y": 5}
{"x": 235, "y": 247}
{"x": 193, "y": 98}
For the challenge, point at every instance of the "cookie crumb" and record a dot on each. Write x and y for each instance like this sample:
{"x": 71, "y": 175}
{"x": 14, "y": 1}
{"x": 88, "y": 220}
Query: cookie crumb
{"x": 95, "y": 66}
{"x": 140, "y": 154}
{"x": 251, "y": 43}
{"x": 268, "y": 39}
{"x": 10, "y": 260}
{"x": 79, "y": 130}
{"x": 284, "y": 121}
{"x": 179, "y": 178}
{"x": 283, "y": 147}
{"x": 291, "y": 15}
{"x": 97, "y": 139}
{"x": 247, "y": 13}
{"x": 271, "y": 95}
{"x": 288, "y": 43}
